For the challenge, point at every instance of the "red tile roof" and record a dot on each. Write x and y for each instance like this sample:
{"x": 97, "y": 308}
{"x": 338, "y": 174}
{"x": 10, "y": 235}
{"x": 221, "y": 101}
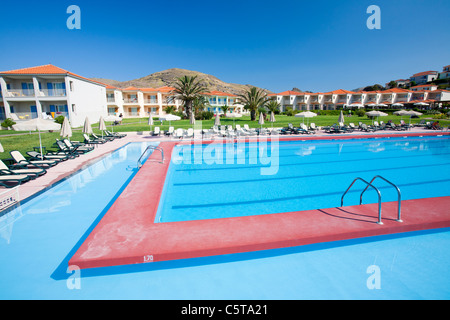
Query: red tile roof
{"x": 424, "y": 73}
{"x": 46, "y": 69}
{"x": 219, "y": 93}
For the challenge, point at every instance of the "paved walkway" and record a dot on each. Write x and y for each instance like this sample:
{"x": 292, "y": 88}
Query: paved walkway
{"x": 66, "y": 168}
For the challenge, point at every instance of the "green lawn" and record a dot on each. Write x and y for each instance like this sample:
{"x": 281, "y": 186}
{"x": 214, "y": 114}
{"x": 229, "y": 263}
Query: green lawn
{"x": 24, "y": 141}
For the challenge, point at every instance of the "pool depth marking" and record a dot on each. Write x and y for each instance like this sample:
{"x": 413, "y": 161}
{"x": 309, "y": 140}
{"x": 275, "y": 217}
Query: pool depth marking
{"x": 127, "y": 233}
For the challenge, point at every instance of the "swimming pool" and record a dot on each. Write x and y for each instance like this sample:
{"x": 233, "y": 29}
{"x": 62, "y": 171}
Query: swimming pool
{"x": 305, "y": 175}
{"x": 38, "y": 239}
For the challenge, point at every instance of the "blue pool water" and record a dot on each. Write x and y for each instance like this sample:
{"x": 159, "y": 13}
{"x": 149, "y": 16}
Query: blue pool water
{"x": 305, "y": 175}
{"x": 38, "y": 239}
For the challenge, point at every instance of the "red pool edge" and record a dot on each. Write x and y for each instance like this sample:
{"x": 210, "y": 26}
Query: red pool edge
{"x": 127, "y": 233}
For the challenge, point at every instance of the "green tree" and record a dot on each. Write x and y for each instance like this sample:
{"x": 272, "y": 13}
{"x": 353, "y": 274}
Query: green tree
{"x": 225, "y": 108}
{"x": 392, "y": 84}
{"x": 187, "y": 89}
{"x": 252, "y": 100}
{"x": 272, "y": 106}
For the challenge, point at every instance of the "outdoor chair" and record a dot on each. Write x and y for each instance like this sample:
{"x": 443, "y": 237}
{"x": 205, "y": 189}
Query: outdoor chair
{"x": 21, "y": 161}
{"x": 32, "y": 173}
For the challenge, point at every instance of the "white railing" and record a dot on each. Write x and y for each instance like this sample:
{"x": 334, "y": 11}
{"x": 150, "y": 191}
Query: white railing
{"x": 52, "y": 92}
{"x": 13, "y": 93}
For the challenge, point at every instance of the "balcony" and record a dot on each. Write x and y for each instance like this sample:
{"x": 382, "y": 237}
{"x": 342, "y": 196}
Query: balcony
{"x": 52, "y": 92}
{"x": 130, "y": 100}
{"x": 20, "y": 93}
{"x": 151, "y": 101}
{"x": 110, "y": 100}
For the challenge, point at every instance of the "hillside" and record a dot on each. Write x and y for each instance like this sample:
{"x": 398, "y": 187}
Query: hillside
{"x": 168, "y": 77}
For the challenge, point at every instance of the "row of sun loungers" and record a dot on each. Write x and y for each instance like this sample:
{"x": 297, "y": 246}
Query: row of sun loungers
{"x": 21, "y": 169}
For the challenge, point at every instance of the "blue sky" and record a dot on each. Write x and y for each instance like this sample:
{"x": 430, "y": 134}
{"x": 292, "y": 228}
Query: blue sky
{"x": 317, "y": 45}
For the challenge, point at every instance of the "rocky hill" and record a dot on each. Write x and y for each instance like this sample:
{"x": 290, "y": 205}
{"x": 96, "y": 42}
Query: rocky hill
{"x": 169, "y": 76}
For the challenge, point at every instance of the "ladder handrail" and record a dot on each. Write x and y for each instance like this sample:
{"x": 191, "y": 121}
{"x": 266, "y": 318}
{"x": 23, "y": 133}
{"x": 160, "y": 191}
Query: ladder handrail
{"x": 371, "y": 185}
{"x": 139, "y": 163}
{"x": 398, "y": 192}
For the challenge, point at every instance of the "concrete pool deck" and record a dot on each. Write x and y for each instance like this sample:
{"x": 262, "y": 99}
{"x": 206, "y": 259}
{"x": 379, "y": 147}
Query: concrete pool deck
{"x": 127, "y": 233}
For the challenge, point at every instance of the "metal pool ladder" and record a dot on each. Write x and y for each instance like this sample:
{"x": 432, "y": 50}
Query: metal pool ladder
{"x": 370, "y": 184}
{"x": 151, "y": 147}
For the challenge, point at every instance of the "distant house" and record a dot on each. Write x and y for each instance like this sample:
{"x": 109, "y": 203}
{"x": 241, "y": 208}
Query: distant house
{"x": 424, "y": 77}
{"x": 429, "y": 87}
{"x": 47, "y": 92}
{"x": 445, "y": 74}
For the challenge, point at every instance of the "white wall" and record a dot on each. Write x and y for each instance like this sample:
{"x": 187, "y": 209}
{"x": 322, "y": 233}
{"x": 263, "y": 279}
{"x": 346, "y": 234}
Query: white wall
{"x": 89, "y": 100}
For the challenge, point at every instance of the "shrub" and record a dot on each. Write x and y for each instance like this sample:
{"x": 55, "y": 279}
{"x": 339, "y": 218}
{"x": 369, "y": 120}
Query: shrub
{"x": 204, "y": 115}
{"x": 59, "y": 119}
{"x": 8, "y": 123}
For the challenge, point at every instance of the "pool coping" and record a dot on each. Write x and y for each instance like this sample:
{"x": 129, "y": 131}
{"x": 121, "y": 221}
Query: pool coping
{"x": 127, "y": 234}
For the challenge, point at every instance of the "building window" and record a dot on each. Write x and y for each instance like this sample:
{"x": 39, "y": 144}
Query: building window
{"x": 71, "y": 85}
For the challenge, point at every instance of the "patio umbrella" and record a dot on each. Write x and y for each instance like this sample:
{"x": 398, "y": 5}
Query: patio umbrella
{"x": 150, "y": 121}
{"x": 66, "y": 130}
{"x": 341, "y": 117}
{"x": 217, "y": 120}
{"x": 412, "y": 113}
{"x": 400, "y": 112}
{"x": 170, "y": 118}
{"x": 376, "y": 113}
{"x": 87, "y": 126}
{"x": 272, "y": 117}
{"x": 397, "y": 104}
{"x": 101, "y": 125}
{"x": 421, "y": 104}
{"x": 261, "y": 119}
{"x": 305, "y": 114}
{"x": 192, "y": 119}
{"x": 39, "y": 125}
{"x": 359, "y": 105}
{"x": 1, "y": 148}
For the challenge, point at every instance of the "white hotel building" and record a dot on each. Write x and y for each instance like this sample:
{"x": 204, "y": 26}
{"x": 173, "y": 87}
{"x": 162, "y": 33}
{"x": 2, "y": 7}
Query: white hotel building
{"x": 49, "y": 91}
{"x": 339, "y": 99}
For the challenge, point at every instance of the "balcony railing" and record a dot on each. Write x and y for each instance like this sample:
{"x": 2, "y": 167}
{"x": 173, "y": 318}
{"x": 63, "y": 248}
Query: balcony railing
{"x": 13, "y": 93}
{"x": 151, "y": 101}
{"x": 110, "y": 100}
{"x": 132, "y": 100}
{"x": 52, "y": 92}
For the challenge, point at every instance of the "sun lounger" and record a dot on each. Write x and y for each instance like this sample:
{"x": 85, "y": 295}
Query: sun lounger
{"x": 247, "y": 129}
{"x": 32, "y": 173}
{"x": 106, "y": 139}
{"x": 156, "y": 132}
{"x": 170, "y": 132}
{"x": 13, "y": 180}
{"x": 37, "y": 156}
{"x": 289, "y": 129}
{"x": 189, "y": 133}
{"x": 304, "y": 129}
{"x": 88, "y": 140}
{"x": 179, "y": 133}
{"x": 20, "y": 160}
{"x": 81, "y": 147}
{"x": 115, "y": 134}
{"x": 365, "y": 127}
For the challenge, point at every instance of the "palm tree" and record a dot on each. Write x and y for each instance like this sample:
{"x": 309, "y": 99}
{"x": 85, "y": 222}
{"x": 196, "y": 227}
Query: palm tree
{"x": 187, "y": 89}
{"x": 253, "y": 99}
{"x": 273, "y": 106}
